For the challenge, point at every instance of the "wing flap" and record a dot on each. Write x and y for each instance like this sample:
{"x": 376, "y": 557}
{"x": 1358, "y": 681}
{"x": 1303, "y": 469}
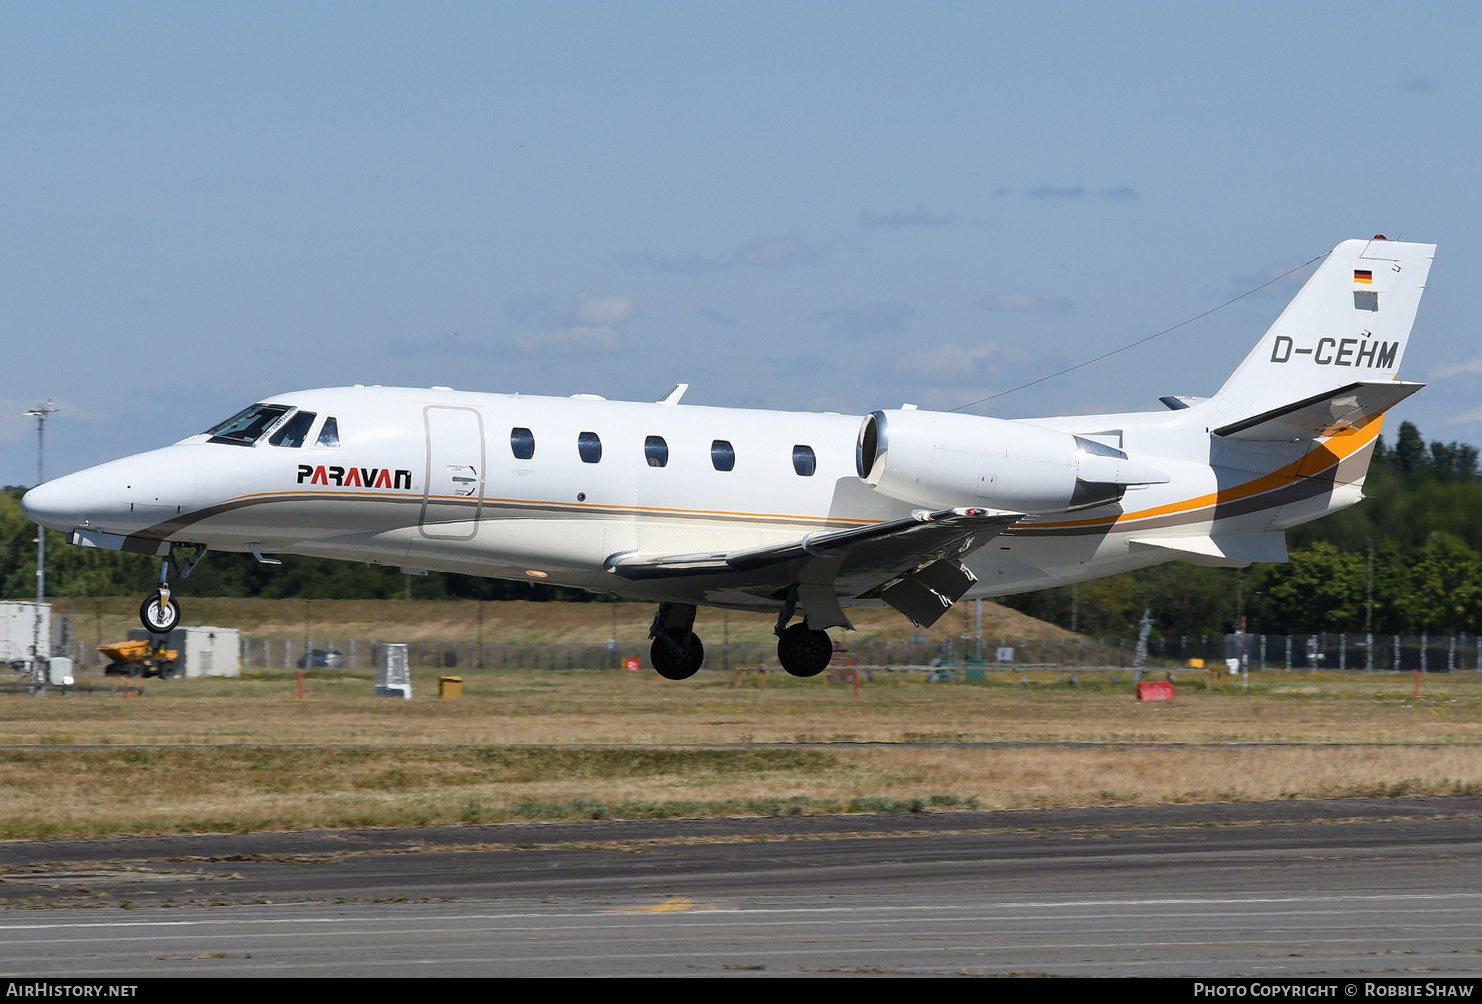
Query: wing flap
{"x": 1341, "y": 410}
{"x": 913, "y": 562}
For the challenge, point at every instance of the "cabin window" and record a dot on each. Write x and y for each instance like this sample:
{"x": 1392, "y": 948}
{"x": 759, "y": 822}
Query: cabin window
{"x": 522, "y": 443}
{"x": 589, "y": 445}
{"x": 330, "y": 434}
{"x": 294, "y": 431}
{"x": 247, "y": 426}
{"x": 722, "y": 455}
{"x": 803, "y": 461}
{"x": 656, "y": 451}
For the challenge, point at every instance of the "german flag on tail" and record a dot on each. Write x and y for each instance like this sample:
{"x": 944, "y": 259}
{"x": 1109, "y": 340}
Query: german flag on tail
{"x": 1364, "y": 276}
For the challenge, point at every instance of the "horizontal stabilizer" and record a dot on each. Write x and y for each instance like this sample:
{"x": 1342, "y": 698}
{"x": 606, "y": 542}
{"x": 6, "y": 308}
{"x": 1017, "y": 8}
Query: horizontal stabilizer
{"x": 1347, "y": 408}
{"x": 1226, "y": 550}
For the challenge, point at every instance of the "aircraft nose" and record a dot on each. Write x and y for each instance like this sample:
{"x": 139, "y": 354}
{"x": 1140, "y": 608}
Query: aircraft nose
{"x": 53, "y": 504}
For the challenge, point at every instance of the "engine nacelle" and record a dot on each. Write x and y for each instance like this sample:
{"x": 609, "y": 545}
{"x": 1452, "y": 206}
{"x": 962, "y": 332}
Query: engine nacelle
{"x": 942, "y": 460}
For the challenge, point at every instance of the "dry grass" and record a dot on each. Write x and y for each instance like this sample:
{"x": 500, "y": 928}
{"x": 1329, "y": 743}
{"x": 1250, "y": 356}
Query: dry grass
{"x": 571, "y": 744}
{"x": 99, "y": 792}
{"x": 507, "y": 621}
{"x": 620, "y": 707}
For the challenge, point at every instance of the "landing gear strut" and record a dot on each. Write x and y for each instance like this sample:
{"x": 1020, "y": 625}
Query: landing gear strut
{"x": 676, "y": 653}
{"x": 160, "y": 613}
{"x": 801, "y": 650}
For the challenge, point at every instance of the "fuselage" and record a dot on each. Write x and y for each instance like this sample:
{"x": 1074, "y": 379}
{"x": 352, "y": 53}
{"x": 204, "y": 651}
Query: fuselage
{"x": 550, "y": 489}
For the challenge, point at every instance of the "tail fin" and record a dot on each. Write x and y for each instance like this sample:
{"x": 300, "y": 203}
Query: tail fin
{"x": 1348, "y": 325}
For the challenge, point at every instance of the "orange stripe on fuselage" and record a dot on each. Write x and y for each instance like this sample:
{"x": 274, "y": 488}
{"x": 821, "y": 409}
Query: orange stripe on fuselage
{"x": 1337, "y": 448}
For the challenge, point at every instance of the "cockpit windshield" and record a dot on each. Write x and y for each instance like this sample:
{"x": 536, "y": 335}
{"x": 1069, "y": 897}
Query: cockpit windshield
{"x": 247, "y": 427}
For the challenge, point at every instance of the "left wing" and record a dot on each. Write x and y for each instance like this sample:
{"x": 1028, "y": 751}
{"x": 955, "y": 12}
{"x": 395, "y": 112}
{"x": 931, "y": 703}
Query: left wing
{"x": 913, "y": 564}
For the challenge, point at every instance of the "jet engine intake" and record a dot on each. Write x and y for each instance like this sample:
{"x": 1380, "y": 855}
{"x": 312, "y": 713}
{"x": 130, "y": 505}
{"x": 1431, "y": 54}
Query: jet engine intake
{"x": 943, "y": 460}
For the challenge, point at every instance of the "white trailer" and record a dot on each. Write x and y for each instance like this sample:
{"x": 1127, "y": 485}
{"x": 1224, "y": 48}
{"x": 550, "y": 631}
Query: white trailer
{"x": 18, "y": 630}
{"x": 204, "y": 651}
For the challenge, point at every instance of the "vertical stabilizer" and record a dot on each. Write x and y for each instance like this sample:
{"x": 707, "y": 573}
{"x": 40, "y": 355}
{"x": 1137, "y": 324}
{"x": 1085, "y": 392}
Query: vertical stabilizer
{"x": 1348, "y": 324}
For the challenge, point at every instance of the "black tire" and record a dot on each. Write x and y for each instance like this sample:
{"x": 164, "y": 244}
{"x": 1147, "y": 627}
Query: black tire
{"x": 677, "y": 660}
{"x": 158, "y": 619}
{"x": 803, "y": 652}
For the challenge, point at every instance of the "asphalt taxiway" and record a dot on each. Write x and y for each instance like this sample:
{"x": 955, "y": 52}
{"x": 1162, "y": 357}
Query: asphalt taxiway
{"x": 1356, "y": 888}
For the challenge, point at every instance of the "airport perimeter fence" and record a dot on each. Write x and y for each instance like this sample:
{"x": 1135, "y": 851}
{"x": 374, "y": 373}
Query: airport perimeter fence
{"x": 1255, "y": 652}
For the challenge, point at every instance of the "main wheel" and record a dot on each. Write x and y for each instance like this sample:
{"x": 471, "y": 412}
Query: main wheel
{"x": 157, "y": 617}
{"x": 674, "y": 659}
{"x": 803, "y": 652}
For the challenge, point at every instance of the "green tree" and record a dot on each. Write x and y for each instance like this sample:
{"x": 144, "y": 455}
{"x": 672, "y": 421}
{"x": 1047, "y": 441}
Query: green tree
{"x": 1445, "y": 585}
{"x": 1409, "y": 452}
{"x": 1320, "y": 587}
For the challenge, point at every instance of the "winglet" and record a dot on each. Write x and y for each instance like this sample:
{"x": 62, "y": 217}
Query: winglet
{"x": 674, "y": 395}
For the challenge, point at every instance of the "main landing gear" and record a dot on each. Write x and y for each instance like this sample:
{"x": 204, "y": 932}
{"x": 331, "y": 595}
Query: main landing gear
{"x": 677, "y": 651}
{"x": 803, "y": 652}
{"x": 160, "y": 613}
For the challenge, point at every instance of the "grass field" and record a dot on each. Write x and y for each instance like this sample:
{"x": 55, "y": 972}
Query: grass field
{"x": 108, "y": 618}
{"x": 233, "y": 755}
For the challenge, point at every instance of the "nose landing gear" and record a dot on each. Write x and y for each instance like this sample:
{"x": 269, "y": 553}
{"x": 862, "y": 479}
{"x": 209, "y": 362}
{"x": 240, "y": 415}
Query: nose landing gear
{"x": 160, "y": 613}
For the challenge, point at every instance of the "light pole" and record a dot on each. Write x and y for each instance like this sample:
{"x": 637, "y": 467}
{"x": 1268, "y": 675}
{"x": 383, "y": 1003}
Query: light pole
{"x": 40, "y": 413}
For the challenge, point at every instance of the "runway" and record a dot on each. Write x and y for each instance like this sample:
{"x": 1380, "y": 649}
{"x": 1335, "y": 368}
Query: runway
{"x": 1354, "y": 888}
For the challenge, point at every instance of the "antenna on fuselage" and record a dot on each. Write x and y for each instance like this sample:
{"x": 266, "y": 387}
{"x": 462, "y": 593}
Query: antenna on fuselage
{"x": 675, "y": 394}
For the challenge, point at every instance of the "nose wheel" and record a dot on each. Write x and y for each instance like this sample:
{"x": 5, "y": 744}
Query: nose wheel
{"x": 160, "y": 613}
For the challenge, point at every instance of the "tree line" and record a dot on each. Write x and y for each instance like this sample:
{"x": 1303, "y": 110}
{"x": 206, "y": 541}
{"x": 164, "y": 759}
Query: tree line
{"x": 1407, "y": 559}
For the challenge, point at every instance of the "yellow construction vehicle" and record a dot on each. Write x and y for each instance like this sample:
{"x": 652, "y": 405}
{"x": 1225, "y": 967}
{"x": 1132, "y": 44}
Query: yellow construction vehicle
{"x": 139, "y": 658}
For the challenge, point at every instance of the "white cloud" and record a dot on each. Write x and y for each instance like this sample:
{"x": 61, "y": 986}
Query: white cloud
{"x": 1472, "y": 365}
{"x": 917, "y": 216}
{"x": 1019, "y": 300}
{"x": 578, "y": 340}
{"x": 1466, "y": 417}
{"x": 777, "y": 251}
{"x": 604, "y": 310}
{"x": 1058, "y": 192}
{"x": 582, "y": 325}
{"x": 865, "y": 320}
{"x": 768, "y": 252}
{"x": 945, "y": 364}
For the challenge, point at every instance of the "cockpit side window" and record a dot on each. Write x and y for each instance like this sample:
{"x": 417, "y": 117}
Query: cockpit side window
{"x": 294, "y": 431}
{"x": 247, "y": 426}
{"x": 330, "y": 434}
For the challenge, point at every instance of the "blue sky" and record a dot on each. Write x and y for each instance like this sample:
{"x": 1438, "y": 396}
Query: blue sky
{"x": 813, "y": 206}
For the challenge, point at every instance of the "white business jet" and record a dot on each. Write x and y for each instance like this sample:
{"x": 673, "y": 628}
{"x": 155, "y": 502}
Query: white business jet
{"x": 803, "y": 514}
